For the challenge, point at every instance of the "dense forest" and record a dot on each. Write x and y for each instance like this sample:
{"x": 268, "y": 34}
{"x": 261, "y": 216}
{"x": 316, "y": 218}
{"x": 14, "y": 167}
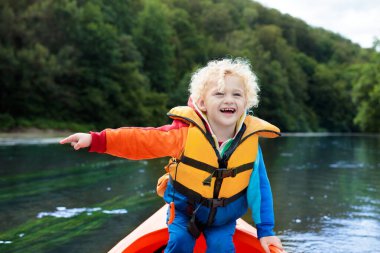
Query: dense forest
{"x": 81, "y": 65}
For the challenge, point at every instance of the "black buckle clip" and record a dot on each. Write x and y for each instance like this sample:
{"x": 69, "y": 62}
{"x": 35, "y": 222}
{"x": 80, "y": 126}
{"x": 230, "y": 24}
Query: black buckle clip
{"x": 220, "y": 173}
{"x": 217, "y": 202}
{"x": 223, "y": 173}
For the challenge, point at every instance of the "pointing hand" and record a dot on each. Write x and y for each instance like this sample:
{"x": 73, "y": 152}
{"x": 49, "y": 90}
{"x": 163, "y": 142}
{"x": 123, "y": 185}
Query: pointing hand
{"x": 78, "y": 140}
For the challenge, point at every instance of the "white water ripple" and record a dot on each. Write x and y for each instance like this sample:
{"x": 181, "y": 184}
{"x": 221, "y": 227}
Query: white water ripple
{"x": 63, "y": 212}
{"x": 28, "y": 141}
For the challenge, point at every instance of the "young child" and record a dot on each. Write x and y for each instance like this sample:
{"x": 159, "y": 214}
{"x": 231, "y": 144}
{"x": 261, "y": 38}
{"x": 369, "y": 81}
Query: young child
{"x": 216, "y": 169}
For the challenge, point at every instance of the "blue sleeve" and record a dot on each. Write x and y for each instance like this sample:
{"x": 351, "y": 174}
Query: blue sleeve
{"x": 260, "y": 199}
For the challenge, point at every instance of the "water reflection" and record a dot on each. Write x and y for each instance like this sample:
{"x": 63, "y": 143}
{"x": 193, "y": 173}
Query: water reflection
{"x": 337, "y": 235}
{"x": 326, "y": 191}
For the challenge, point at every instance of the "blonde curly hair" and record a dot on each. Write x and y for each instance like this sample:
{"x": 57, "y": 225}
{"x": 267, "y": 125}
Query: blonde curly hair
{"x": 215, "y": 71}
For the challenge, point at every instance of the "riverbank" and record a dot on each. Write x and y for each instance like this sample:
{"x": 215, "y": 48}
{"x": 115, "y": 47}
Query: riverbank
{"x": 32, "y": 136}
{"x": 32, "y": 133}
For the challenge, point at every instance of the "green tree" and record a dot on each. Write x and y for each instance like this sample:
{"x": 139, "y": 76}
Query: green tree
{"x": 187, "y": 44}
{"x": 284, "y": 82}
{"x": 366, "y": 94}
{"x": 218, "y": 21}
{"x": 152, "y": 36}
{"x": 112, "y": 63}
{"x": 330, "y": 98}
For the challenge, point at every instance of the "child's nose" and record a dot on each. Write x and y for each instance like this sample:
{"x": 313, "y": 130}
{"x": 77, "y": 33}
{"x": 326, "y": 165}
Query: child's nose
{"x": 228, "y": 98}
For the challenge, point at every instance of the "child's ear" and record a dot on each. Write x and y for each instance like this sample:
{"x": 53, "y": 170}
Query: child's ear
{"x": 202, "y": 105}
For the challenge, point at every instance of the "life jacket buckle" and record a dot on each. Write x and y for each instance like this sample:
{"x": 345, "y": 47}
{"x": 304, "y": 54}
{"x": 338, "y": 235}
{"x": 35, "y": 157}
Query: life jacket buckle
{"x": 219, "y": 173}
{"x": 223, "y": 173}
{"x": 217, "y": 202}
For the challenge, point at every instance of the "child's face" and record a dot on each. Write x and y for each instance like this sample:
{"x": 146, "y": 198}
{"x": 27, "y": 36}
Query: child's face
{"x": 224, "y": 107}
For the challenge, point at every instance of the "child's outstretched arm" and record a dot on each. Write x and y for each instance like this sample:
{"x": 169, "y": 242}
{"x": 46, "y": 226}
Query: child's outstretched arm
{"x": 78, "y": 140}
{"x": 134, "y": 143}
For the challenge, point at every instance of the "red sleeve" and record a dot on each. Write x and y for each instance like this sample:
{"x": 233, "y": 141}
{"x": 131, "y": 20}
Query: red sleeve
{"x": 98, "y": 143}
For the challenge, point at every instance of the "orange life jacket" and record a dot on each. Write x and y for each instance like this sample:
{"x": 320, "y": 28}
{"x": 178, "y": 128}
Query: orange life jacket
{"x": 201, "y": 173}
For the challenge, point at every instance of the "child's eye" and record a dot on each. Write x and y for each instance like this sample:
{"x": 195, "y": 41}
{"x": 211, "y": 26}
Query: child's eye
{"x": 237, "y": 94}
{"x": 219, "y": 93}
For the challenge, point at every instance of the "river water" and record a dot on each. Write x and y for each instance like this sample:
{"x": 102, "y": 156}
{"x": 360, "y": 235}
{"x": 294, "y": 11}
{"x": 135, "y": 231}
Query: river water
{"x": 54, "y": 199}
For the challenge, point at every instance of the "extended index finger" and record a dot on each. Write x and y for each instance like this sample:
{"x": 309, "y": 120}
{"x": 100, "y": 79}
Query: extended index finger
{"x": 71, "y": 138}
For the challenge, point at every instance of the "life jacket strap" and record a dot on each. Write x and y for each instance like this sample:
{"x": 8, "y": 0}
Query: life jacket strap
{"x": 197, "y": 164}
{"x": 223, "y": 173}
{"x": 195, "y": 197}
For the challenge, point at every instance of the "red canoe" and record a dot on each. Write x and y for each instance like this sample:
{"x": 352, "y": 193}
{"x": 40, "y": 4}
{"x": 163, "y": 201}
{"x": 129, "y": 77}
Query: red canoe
{"x": 152, "y": 236}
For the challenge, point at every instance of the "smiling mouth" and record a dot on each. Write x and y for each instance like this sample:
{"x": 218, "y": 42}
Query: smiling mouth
{"x": 228, "y": 110}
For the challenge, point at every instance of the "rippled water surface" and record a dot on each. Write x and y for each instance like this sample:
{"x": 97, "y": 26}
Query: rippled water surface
{"x": 53, "y": 199}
